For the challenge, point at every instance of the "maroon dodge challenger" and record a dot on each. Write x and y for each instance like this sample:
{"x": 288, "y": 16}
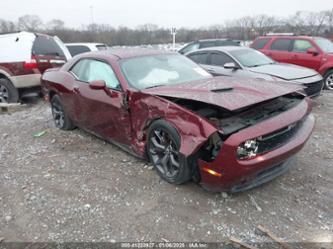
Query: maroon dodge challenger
{"x": 228, "y": 134}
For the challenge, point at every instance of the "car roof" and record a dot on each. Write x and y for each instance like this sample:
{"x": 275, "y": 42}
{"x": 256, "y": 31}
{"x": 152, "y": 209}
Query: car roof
{"x": 20, "y": 33}
{"x": 221, "y": 48}
{"x": 125, "y": 53}
{"x": 84, "y": 44}
{"x": 217, "y": 39}
{"x": 288, "y": 36}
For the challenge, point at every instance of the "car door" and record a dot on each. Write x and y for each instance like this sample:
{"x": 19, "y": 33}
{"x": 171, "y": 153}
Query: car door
{"x": 280, "y": 50}
{"x": 216, "y": 63}
{"x": 101, "y": 112}
{"x": 301, "y": 57}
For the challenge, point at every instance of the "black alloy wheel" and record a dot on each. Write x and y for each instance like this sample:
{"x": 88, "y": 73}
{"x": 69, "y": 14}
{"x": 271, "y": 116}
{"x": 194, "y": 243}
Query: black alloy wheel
{"x": 163, "y": 151}
{"x": 61, "y": 119}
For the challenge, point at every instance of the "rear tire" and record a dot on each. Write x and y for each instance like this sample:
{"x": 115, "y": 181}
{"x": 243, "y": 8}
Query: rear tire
{"x": 328, "y": 79}
{"x": 60, "y": 117}
{"x": 8, "y": 92}
{"x": 163, "y": 146}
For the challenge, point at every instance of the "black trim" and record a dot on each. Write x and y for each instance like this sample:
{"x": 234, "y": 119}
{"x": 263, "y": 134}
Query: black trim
{"x": 263, "y": 176}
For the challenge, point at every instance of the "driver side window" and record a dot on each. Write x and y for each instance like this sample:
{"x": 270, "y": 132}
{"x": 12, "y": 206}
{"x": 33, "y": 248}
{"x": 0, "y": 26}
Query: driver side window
{"x": 88, "y": 70}
{"x": 219, "y": 59}
{"x": 301, "y": 46}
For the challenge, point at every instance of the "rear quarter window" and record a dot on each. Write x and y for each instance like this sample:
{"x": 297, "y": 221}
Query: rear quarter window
{"x": 46, "y": 45}
{"x": 260, "y": 43}
{"x": 281, "y": 44}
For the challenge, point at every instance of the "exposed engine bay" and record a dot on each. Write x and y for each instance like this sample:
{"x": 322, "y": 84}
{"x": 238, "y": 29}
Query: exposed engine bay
{"x": 230, "y": 122}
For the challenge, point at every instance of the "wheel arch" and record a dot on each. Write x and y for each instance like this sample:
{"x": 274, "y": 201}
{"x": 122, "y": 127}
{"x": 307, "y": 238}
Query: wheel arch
{"x": 4, "y": 76}
{"x": 325, "y": 69}
{"x": 328, "y": 69}
{"x": 51, "y": 94}
{"x": 192, "y": 129}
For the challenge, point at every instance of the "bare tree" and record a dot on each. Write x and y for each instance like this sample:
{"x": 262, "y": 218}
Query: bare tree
{"x": 7, "y": 26}
{"x": 245, "y": 28}
{"x": 30, "y": 23}
{"x": 55, "y": 24}
{"x": 329, "y": 21}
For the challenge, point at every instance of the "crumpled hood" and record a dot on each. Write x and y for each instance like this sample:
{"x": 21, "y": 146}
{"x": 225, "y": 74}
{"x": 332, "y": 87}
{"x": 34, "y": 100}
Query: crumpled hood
{"x": 284, "y": 71}
{"x": 228, "y": 93}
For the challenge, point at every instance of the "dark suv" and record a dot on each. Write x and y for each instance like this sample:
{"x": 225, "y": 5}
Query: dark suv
{"x": 207, "y": 44}
{"x": 306, "y": 51}
{"x": 23, "y": 58}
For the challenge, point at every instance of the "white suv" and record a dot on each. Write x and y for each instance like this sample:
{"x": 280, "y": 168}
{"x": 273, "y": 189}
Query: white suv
{"x": 24, "y": 56}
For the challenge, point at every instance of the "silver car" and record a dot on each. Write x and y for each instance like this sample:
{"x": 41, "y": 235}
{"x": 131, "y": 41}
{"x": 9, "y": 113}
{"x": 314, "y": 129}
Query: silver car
{"x": 247, "y": 62}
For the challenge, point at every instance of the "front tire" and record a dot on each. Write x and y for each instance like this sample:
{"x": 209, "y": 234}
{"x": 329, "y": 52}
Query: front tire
{"x": 60, "y": 117}
{"x": 163, "y": 151}
{"x": 328, "y": 79}
{"x": 8, "y": 92}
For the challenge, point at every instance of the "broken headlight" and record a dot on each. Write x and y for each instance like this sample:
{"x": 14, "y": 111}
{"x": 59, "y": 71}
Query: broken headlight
{"x": 248, "y": 149}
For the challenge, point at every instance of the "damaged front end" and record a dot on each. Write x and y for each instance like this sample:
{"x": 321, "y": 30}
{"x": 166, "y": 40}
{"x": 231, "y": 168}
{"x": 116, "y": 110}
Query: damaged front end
{"x": 249, "y": 141}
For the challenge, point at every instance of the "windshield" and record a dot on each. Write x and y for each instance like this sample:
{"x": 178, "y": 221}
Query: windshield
{"x": 325, "y": 45}
{"x": 150, "y": 71}
{"x": 251, "y": 58}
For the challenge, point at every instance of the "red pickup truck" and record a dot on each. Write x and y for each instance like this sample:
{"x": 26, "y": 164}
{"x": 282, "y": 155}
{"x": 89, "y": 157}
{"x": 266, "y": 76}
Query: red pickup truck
{"x": 311, "y": 52}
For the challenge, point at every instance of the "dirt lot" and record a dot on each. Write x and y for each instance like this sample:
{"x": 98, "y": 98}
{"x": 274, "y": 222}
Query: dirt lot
{"x": 72, "y": 186}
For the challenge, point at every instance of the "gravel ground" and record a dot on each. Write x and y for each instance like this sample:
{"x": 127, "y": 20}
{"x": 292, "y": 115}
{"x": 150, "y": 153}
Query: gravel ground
{"x": 72, "y": 186}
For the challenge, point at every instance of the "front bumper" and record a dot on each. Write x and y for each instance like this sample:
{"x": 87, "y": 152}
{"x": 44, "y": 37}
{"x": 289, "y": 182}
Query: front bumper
{"x": 314, "y": 89}
{"x": 263, "y": 176}
{"x": 236, "y": 175}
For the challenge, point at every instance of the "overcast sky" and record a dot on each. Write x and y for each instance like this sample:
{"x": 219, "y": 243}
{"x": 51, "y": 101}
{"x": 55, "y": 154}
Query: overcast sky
{"x": 165, "y": 13}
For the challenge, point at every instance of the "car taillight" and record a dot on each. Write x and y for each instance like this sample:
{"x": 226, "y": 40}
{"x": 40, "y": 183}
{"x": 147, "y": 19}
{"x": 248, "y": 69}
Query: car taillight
{"x": 32, "y": 64}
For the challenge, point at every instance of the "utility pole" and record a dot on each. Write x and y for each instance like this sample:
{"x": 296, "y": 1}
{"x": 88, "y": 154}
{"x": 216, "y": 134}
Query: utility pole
{"x": 173, "y": 33}
{"x": 92, "y": 14}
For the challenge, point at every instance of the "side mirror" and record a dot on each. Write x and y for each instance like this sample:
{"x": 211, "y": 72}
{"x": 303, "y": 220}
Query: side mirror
{"x": 312, "y": 51}
{"x": 97, "y": 85}
{"x": 230, "y": 65}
